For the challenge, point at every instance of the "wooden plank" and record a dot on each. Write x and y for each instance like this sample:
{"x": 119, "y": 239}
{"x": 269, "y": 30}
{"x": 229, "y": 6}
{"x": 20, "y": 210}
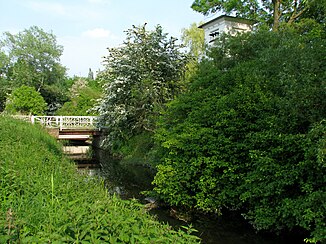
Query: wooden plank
{"x": 79, "y": 132}
{"x": 76, "y": 149}
{"x": 74, "y": 137}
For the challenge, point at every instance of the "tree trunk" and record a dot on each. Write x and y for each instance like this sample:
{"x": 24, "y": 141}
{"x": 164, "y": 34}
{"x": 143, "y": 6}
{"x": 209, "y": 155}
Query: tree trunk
{"x": 276, "y": 14}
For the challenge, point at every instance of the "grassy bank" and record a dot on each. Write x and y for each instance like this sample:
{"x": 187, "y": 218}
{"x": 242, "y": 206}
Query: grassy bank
{"x": 43, "y": 198}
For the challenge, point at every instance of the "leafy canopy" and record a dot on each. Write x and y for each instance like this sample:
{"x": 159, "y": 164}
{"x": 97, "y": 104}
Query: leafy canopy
{"x": 83, "y": 96}
{"x": 249, "y": 135}
{"x": 272, "y": 12}
{"x": 194, "y": 39}
{"x": 32, "y": 58}
{"x": 140, "y": 76}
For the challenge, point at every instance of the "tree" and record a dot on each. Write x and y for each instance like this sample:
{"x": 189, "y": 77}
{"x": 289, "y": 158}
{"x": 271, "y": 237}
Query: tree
{"x": 25, "y": 100}
{"x": 4, "y": 86}
{"x": 34, "y": 60}
{"x": 140, "y": 76}
{"x": 4, "y": 90}
{"x": 78, "y": 84}
{"x": 249, "y": 135}
{"x": 272, "y": 12}
{"x": 194, "y": 39}
{"x": 84, "y": 94}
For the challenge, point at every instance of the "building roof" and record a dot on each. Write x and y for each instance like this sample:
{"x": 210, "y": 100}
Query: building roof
{"x": 227, "y": 17}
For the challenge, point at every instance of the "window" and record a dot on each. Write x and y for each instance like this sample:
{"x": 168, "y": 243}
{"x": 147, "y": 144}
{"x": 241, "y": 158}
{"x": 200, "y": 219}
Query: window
{"x": 213, "y": 35}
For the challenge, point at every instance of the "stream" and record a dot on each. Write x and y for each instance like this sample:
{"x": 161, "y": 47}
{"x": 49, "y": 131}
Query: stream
{"x": 128, "y": 180}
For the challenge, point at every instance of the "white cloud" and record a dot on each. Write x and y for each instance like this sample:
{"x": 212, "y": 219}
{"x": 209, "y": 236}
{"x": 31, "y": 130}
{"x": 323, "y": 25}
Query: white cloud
{"x": 97, "y": 33}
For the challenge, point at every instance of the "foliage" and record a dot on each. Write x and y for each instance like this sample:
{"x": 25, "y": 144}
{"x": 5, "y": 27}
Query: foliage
{"x": 4, "y": 86}
{"x": 250, "y": 133}
{"x": 77, "y": 84}
{"x": 4, "y": 89}
{"x": 33, "y": 60}
{"x": 316, "y": 11}
{"x": 55, "y": 95}
{"x": 193, "y": 38}
{"x": 25, "y": 100}
{"x": 138, "y": 150}
{"x": 83, "y": 94}
{"x": 81, "y": 104}
{"x": 271, "y": 12}
{"x": 140, "y": 77}
{"x": 44, "y": 200}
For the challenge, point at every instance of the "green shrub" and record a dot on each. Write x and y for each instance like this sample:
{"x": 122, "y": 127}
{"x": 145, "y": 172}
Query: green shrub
{"x": 250, "y": 133}
{"x": 25, "y": 100}
{"x": 44, "y": 200}
{"x": 81, "y": 104}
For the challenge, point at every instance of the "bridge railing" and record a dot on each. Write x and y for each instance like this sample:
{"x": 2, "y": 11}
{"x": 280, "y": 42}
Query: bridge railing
{"x": 64, "y": 122}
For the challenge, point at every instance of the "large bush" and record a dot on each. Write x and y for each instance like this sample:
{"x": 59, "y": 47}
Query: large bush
{"x": 44, "y": 200}
{"x": 250, "y": 133}
{"x": 140, "y": 76}
{"x": 25, "y": 100}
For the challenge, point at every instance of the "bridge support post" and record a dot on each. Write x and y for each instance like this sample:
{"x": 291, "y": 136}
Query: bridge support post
{"x": 61, "y": 122}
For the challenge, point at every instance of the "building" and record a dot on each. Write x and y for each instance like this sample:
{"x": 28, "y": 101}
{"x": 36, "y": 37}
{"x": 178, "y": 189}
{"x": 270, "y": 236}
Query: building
{"x": 225, "y": 24}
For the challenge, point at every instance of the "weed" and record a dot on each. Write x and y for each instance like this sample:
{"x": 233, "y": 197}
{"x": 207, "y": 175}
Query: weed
{"x": 43, "y": 198}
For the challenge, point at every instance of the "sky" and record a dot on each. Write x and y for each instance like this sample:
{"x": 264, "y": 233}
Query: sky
{"x": 86, "y": 28}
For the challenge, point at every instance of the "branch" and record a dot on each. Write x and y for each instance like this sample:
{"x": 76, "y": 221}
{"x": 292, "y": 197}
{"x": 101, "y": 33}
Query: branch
{"x": 295, "y": 15}
{"x": 148, "y": 129}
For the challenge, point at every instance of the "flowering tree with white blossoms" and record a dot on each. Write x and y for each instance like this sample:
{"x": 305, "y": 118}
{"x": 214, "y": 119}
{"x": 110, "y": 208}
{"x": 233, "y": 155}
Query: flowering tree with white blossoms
{"x": 140, "y": 76}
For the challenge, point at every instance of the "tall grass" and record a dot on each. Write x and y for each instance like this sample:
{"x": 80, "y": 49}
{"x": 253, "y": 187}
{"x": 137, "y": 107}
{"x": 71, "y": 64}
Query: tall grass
{"x": 44, "y": 200}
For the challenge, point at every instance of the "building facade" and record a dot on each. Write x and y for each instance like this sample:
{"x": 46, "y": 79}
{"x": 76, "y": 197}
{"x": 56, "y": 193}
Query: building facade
{"x": 225, "y": 24}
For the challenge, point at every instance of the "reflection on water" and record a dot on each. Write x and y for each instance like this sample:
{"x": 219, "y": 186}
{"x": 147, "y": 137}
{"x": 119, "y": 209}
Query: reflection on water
{"x": 124, "y": 179}
{"x": 129, "y": 180}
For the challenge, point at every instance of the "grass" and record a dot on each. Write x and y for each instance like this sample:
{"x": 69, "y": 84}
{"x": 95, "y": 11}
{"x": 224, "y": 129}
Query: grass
{"x": 44, "y": 200}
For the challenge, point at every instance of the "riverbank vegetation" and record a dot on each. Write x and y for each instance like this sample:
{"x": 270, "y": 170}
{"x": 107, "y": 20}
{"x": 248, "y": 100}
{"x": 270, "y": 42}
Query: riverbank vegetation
{"x": 43, "y": 198}
{"x": 250, "y": 134}
{"x": 247, "y": 131}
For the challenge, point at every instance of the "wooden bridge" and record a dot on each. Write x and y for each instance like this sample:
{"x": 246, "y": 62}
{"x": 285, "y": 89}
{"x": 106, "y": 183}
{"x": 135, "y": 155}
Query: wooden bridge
{"x": 82, "y": 132}
{"x": 66, "y": 122}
